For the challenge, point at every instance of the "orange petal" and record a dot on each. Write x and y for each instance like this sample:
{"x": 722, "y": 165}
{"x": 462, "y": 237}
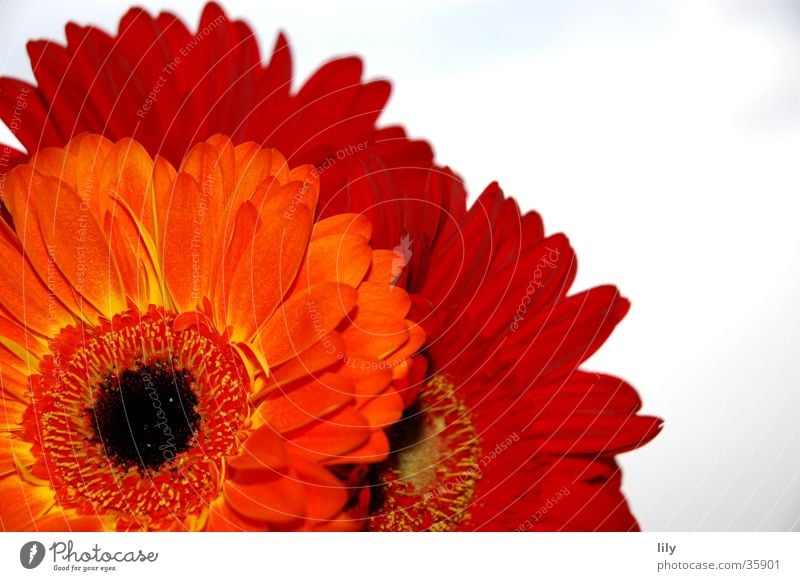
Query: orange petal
{"x": 130, "y": 255}
{"x": 227, "y": 163}
{"x": 204, "y": 163}
{"x": 385, "y": 298}
{"x": 369, "y": 377}
{"x": 187, "y": 250}
{"x": 22, "y": 206}
{"x": 354, "y": 224}
{"x": 11, "y": 410}
{"x": 376, "y": 449}
{"x": 262, "y": 450}
{"x": 416, "y": 339}
{"x": 411, "y": 383}
{"x": 128, "y": 174}
{"x": 253, "y": 166}
{"x": 297, "y": 193}
{"x": 325, "y": 495}
{"x": 23, "y": 295}
{"x": 375, "y": 335}
{"x": 78, "y": 166}
{"x": 26, "y": 346}
{"x": 269, "y": 266}
{"x": 13, "y": 388}
{"x": 30, "y": 346}
{"x": 240, "y": 235}
{"x": 308, "y": 178}
{"x": 329, "y": 350}
{"x": 13, "y": 452}
{"x": 164, "y": 176}
{"x": 52, "y": 162}
{"x": 381, "y": 410}
{"x": 342, "y": 258}
{"x": 305, "y": 402}
{"x": 269, "y": 188}
{"x": 381, "y": 270}
{"x": 305, "y": 318}
{"x": 22, "y": 504}
{"x": 59, "y": 520}
{"x": 330, "y": 439}
{"x": 279, "y": 499}
{"x": 81, "y": 250}
{"x": 340, "y": 524}
{"x": 222, "y": 519}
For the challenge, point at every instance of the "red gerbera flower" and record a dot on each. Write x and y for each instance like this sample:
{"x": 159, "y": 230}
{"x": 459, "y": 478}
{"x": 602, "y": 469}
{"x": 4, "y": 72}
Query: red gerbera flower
{"x": 505, "y": 433}
{"x": 170, "y": 88}
{"x": 509, "y": 434}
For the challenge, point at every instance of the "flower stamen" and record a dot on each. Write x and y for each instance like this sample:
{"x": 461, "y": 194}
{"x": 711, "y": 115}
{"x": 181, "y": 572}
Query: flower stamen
{"x": 429, "y": 483}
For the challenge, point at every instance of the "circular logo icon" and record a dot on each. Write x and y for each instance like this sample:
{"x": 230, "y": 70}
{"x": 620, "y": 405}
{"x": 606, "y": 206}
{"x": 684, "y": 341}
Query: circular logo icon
{"x": 31, "y": 554}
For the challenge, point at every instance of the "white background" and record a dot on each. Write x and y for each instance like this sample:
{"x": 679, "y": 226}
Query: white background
{"x": 663, "y": 138}
{"x": 462, "y": 556}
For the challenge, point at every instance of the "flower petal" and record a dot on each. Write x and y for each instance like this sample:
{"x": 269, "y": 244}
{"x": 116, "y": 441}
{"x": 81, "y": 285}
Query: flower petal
{"x": 375, "y": 335}
{"x": 81, "y": 250}
{"x": 23, "y": 504}
{"x": 337, "y": 258}
{"x": 330, "y": 440}
{"x": 222, "y": 519}
{"x": 304, "y": 319}
{"x": 128, "y": 174}
{"x": 262, "y": 450}
{"x": 13, "y": 452}
{"x": 22, "y": 206}
{"x": 328, "y": 351}
{"x": 269, "y": 266}
{"x": 306, "y": 401}
{"x": 23, "y": 295}
{"x": 354, "y": 224}
{"x": 325, "y": 495}
{"x": 280, "y": 499}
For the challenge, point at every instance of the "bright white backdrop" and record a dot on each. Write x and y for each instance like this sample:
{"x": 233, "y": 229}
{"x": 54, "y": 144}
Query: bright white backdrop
{"x": 663, "y": 137}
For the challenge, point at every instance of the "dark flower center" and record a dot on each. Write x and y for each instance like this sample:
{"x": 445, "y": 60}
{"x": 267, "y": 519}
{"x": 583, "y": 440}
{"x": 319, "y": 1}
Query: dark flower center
{"x": 428, "y": 483}
{"x": 133, "y": 418}
{"x": 145, "y": 416}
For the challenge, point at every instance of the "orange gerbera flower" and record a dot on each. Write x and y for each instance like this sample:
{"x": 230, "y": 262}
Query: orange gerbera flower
{"x": 185, "y": 349}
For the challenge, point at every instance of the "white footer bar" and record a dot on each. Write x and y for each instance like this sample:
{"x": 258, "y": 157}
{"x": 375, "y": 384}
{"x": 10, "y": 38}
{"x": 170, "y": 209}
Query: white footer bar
{"x": 414, "y": 556}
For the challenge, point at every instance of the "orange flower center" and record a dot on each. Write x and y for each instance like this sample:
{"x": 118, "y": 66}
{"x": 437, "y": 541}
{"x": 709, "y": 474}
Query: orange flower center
{"x": 429, "y": 482}
{"x": 135, "y": 415}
